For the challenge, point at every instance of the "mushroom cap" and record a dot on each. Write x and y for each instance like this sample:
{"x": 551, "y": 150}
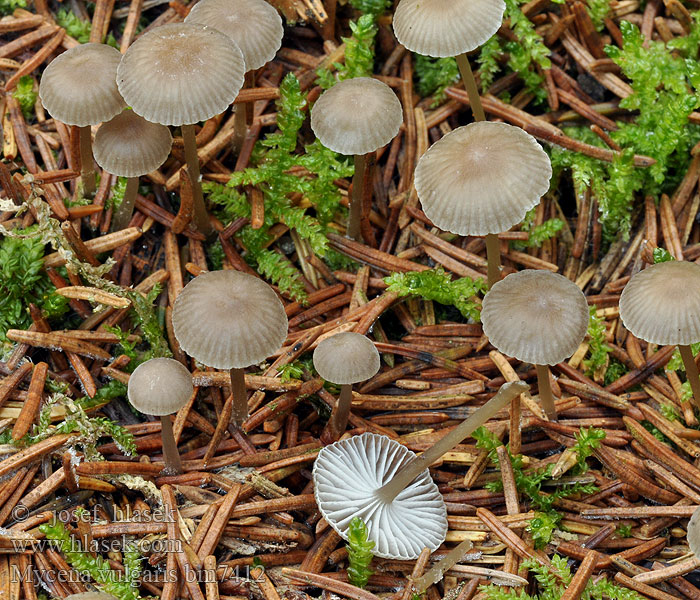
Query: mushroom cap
{"x": 229, "y": 319}
{"x": 357, "y": 116}
{"x": 91, "y": 595}
{"x": 535, "y": 316}
{"x": 254, "y": 25}
{"x": 446, "y": 27}
{"x": 694, "y": 531}
{"x": 482, "y": 178}
{"x": 661, "y": 304}
{"x": 79, "y": 86}
{"x": 160, "y": 386}
{"x": 180, "y": 74}
{"x": 346, "y": 476}
{"x": 130, "y": 146}
{"x": 346, "y": 358}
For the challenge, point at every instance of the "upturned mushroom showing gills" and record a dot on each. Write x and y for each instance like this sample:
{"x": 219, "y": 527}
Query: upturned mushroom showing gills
{"x": 74, "y": 98}
{"x": 355, "y": 117}
{"x": 161, "y": 387}
{"x": 661, "y": 305}
{"x": 481, "y": 179}
{"x": 344, "y": 359}
{"x": 538, "y": 317}
{"x": 377, "y": 479}
{"x": 230, "y": 320}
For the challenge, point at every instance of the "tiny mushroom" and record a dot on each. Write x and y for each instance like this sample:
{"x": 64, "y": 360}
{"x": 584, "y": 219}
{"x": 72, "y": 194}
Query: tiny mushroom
{"x": 356, "y": 117}
{"x": 538, "y": 317}
{"x": 91, "y": 596}
{"x": 694, "y": 531}
{"x": 344, "y": 359}
{"x": 161, "y": 387}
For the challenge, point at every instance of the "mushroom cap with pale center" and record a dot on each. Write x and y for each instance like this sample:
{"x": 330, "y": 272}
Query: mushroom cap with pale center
{"x": 482, "y": 178}
{"x": 538, "y": 317}
{"x": 357, "y": 116}
{"x": 661, "y": 304}
{"x": 160, "y": 386}
{"x": 180, "y": 74}
{"x": 446, "y": 27}
{"x": 346, "y": 476}
{"x": 130, "y": 146}
{"x": 229, "y": 319}
{"x": 346, "y": 358}
{"x": 694, "y": 531}
{"x": 79, "y": 86}
{"x": 254, "y": 25}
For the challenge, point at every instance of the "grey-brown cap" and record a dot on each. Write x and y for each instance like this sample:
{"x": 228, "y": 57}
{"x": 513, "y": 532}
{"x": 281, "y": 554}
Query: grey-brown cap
{"x": 346, "y": 358}
{"x": 130, "y": 146}
{"x": 79, "y": 86}
{"x": 254, "y": 25}
{"x": 538, "y": 317}
{"x": 661, "y": 304}
{"x": 91, "y": 596}
{"x": 482, "y": 178}
{"x": 446, "y": 27}
{"x": 694, "y": 531}
{"x": 180, "y": 74}
{"x": 160, "y": 386}
{"x": 357, "y": 116}
{"x": 229, "y": 319}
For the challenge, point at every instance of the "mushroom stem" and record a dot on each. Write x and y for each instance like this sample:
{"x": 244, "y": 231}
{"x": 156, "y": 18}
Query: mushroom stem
{"x": 339, "y": 417}
{"x": 240, "y": 397}
{"x": 493, "y": 257}
{"x": 438, "y": 570}
{"x": 173, "y": 464}
{"x": 87, "y": 167}
{"x": 240, "y": 127}
{"x": 353, "y": 227}
{"x": 407, "y": 473}
{"x": 691, "y": 372}
{"x": 545, "y": 392}
{"x": 465, "y": 71}
{"x": 126, "y": 208}
{"x": 201, "y": 218}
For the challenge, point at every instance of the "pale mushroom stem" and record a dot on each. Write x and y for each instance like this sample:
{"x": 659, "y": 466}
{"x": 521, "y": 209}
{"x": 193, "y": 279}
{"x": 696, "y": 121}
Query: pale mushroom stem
{"x": 126, "y": 208}
{"x": 691, "y": 372}
{"x": 438, "y": 570}
{"x": 493, "y": 257}
{"x": 240, "y": 397}
{"x": 545, "y": 392}
{"x": 87, "y": 167}
{"x": 173, "y": 464}
{"x": 465, "y": 71}
{"x": 406, "y": 474}
{"x": 353, "y": 227}
{"x": 201, "y": 218}
{"x": 339, "y": 417}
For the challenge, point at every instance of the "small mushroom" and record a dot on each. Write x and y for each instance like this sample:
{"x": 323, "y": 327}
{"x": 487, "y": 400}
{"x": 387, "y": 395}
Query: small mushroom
{"x": 129, "y": 146}
{"x": 344, "y": 359}
{"x": 357, "y": 116}
{"x": 91, "y": 595}
{"x": 537, "y": 317}
{"x": 694, "y": 530}
{"x": 161, "y": 387}
{"x": 661, "y": 305}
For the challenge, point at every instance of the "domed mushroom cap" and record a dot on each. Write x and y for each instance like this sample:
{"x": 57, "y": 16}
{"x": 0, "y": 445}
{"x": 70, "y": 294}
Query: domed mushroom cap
{"x": 91, "y": 595}
{"x": 346, "y": 358}
{"x": 79, "y": 86}
{"x": 346, "y": 476}
{"x": 482, "y": 178}
{"x": 181, "y": 74}
{"x": 229, "y": 319}
{"x": 661, "y": 304}
{"x": 535, "y": 316}
{"x": 253, "y": 25}
{"x": 694, "y": 530}
{"x": 357, "y": 116}
{"x": 130, "y": 146}
{"x": 160, "y": 386}
{"x": 446, "y": 27}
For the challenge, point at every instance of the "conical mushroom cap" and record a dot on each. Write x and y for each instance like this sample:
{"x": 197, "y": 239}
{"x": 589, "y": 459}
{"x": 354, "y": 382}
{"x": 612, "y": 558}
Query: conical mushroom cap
{"x": 160, "y": 386}
{"x": 346, "y": 358}
{"x": 253, "y": 25}
{"x": 446, "y": 27}
{"x": 79, "y": 88}
{"x": 694, "y": 531}
{"x": 130, "y": 146}
{"x": 346, "y": 476}
{"x": 229, "y": 319}
{"x": 357, "y": 116}
{"x": 181, "y": 74}
{"x": 535, "y": 316}
{"x": 661, "y": 304}
{"x": 482, "y": 178}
